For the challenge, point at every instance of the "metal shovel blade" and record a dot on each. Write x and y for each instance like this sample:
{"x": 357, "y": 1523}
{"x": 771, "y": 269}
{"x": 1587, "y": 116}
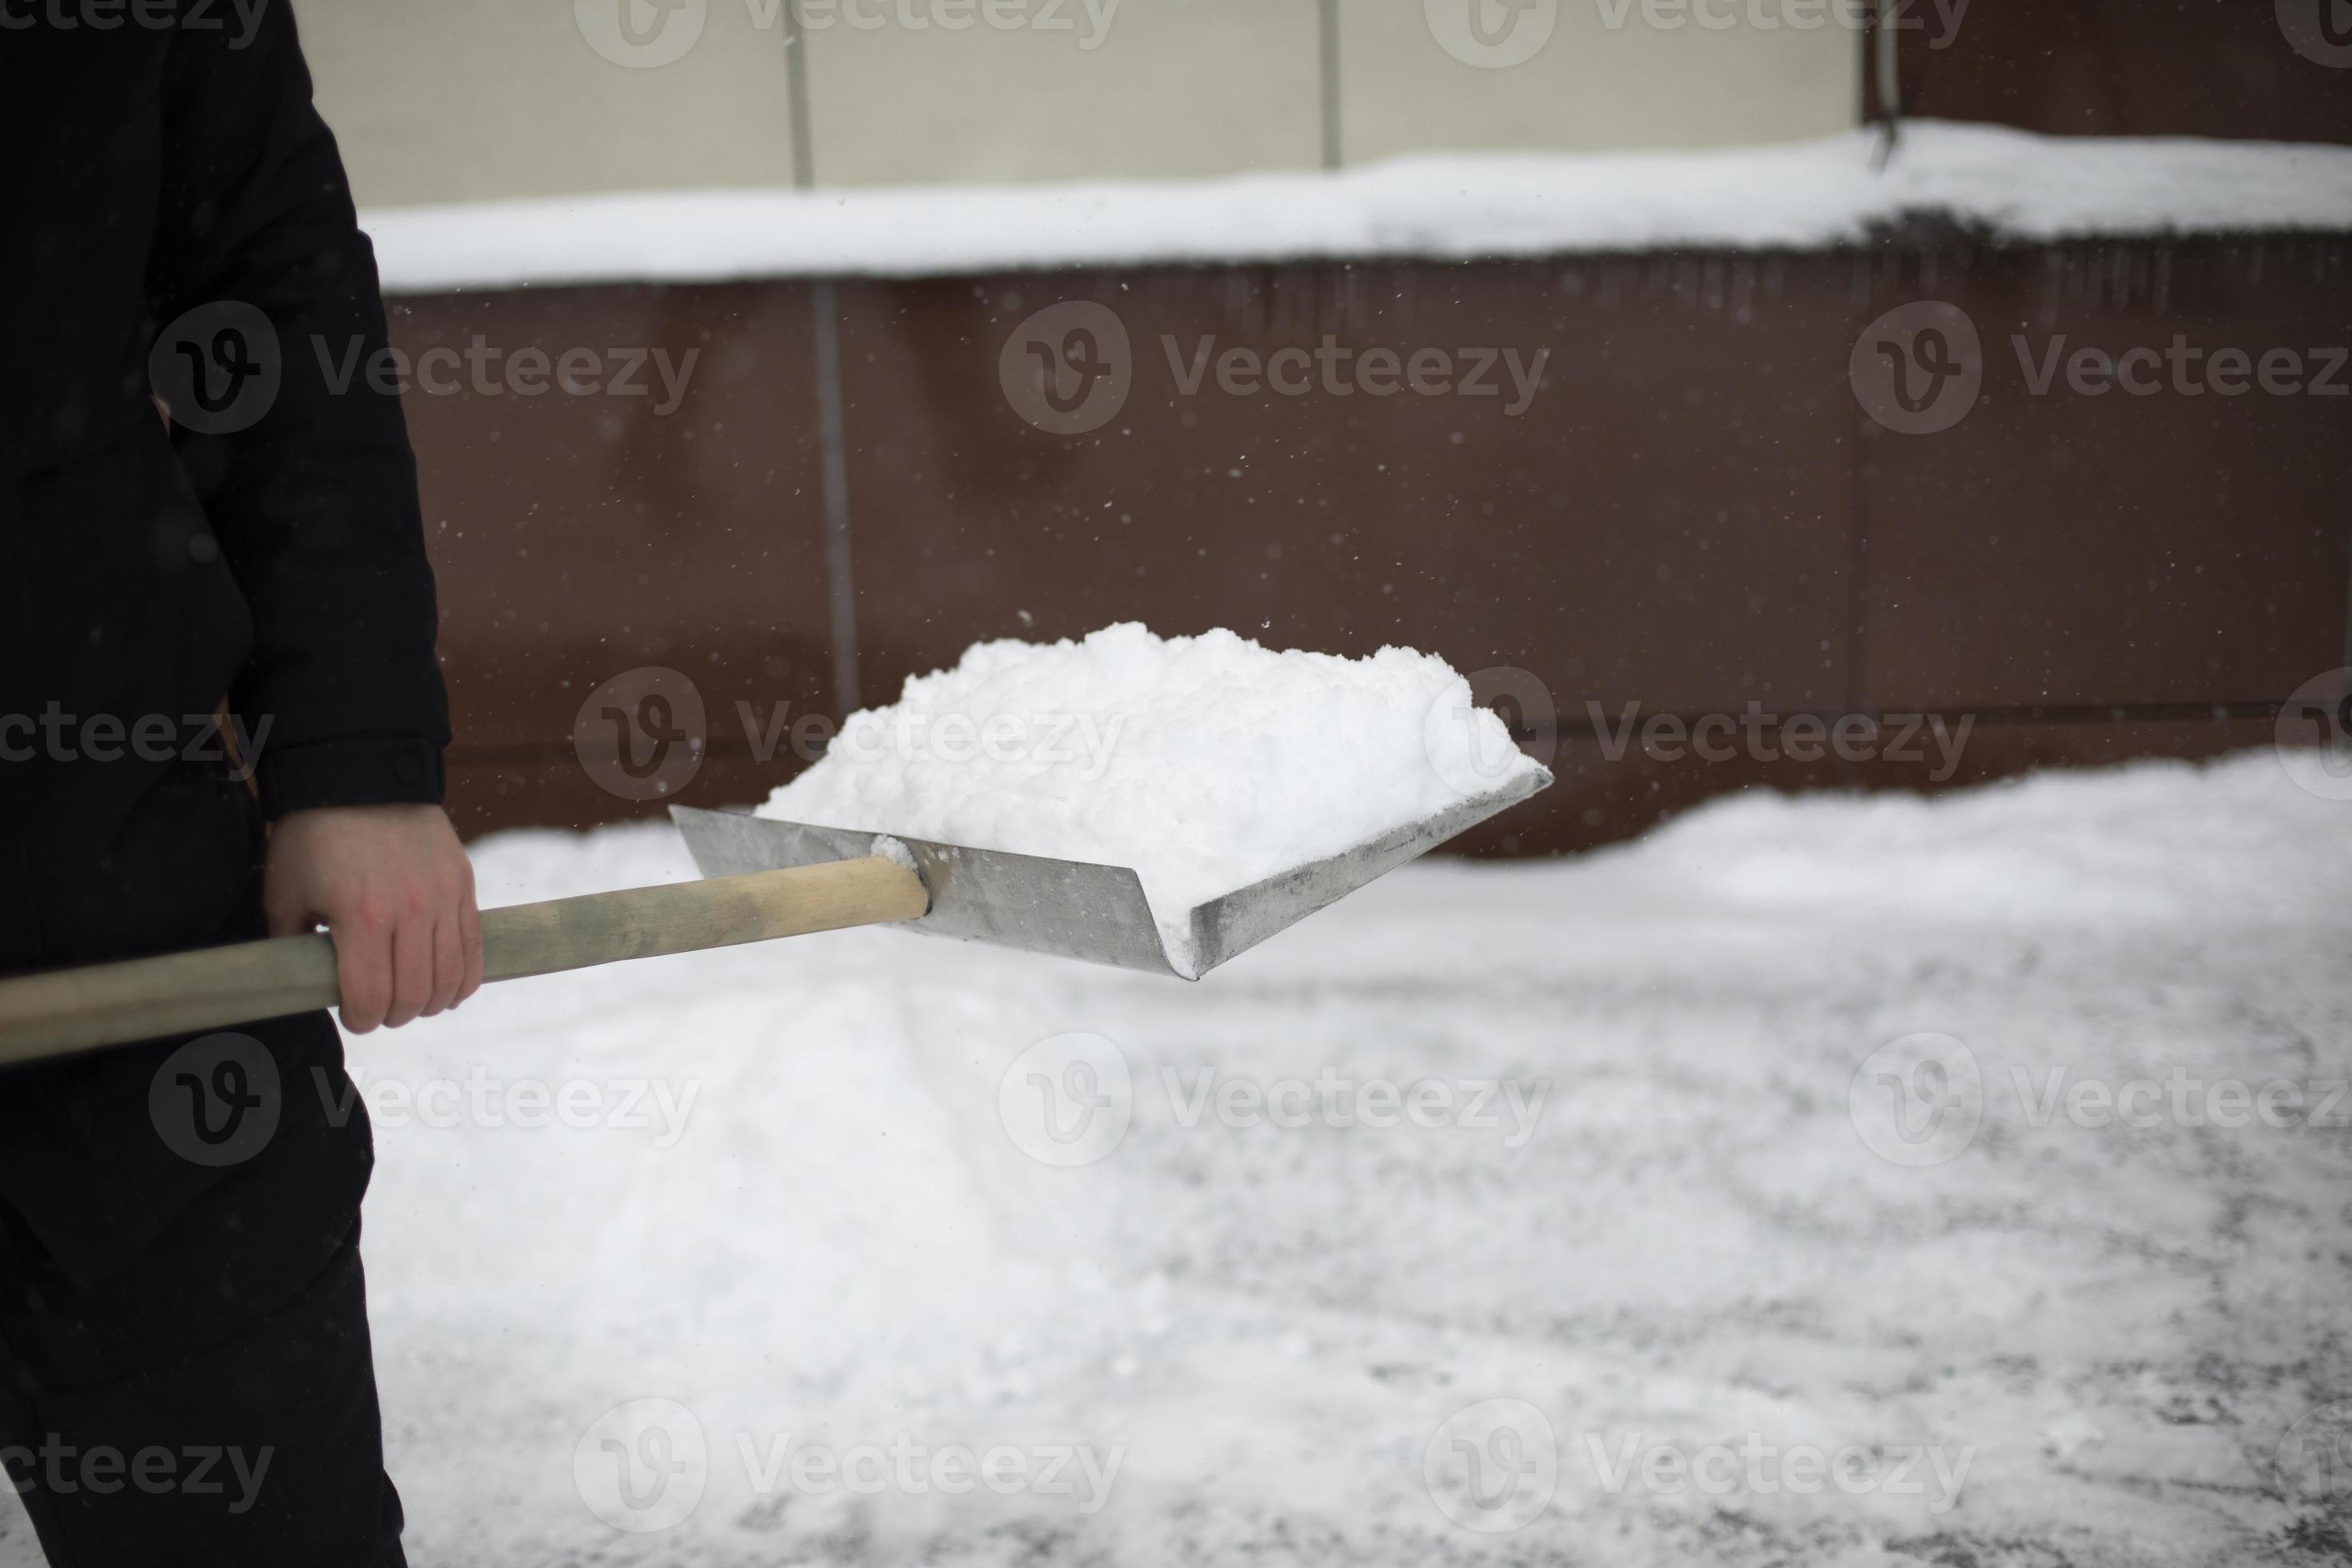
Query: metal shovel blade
{"x": 1071, "y": 908}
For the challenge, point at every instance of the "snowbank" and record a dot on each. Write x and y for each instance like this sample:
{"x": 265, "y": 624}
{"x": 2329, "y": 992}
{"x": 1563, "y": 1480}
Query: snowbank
{"x": 1799, "y": 196}
{"x": 782, "y": 1198}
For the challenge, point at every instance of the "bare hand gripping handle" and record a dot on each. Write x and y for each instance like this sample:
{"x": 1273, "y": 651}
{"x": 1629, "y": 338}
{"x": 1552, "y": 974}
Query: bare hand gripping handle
{"x": 143, "y": 999}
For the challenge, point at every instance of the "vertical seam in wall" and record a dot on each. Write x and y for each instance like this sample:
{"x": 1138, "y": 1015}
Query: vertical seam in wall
{"x": 833, "y": 445}
{"x": 2347, "y": 609}
{"x": 1857, "y": 639}
{"x": 833, "y": 440}
{"x": 1857, "y": 603}
{"x": 1330, "y": 27}
{"x": 1885, "y": 63}
{"x": 796, "y": 90}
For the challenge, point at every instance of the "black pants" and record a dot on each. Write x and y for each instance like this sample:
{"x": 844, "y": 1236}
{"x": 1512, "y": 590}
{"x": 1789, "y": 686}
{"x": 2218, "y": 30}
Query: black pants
{"x": 210, "y": 1400}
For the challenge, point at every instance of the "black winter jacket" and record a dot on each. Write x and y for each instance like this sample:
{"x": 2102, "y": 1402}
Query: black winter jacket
{"x": 168, "y": 176}
{"x": 175, "y": 228}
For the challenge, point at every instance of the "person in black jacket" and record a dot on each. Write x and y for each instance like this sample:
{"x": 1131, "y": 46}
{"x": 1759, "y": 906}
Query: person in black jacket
{"x": 220, "y": 716}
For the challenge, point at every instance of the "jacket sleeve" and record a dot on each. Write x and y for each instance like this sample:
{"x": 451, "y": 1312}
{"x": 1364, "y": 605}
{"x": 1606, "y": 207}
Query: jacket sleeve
{"x": 314, "y": 504}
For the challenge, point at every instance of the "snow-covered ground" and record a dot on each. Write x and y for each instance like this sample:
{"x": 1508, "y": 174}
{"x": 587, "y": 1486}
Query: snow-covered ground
{"x": 1665, "y": 1209}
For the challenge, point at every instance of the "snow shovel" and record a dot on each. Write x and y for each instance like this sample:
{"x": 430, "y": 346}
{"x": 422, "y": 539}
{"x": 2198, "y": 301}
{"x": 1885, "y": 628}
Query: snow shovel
{"x": 762, "y": 878}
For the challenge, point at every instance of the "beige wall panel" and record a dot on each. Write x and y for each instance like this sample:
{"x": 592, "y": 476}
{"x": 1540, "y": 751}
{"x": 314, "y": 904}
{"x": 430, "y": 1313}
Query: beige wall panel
{"x": 450, "y": 100}
{"x": 446, "y": 100}
{"x": 1582, "y": 76}
{"x": 1062, "y": 89}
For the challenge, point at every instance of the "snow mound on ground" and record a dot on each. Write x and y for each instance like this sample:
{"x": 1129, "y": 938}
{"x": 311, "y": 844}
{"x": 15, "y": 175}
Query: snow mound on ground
{"x": 2071, "y": 846}
{"x": 777, "y": 1190}
{"x": 1205, "y": 764}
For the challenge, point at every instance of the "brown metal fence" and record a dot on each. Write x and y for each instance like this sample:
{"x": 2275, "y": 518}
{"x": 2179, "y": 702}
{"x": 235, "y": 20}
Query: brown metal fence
{"x": 1692, "y": 514}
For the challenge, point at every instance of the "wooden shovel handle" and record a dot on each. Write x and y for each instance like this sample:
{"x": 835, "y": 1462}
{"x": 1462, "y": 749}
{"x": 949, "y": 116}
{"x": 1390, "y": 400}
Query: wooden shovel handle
{"x": 181, "y": 993}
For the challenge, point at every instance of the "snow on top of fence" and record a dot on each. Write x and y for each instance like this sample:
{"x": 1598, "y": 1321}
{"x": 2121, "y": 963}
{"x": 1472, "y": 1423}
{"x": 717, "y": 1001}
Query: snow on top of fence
{"x": 1804, "y": 196}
